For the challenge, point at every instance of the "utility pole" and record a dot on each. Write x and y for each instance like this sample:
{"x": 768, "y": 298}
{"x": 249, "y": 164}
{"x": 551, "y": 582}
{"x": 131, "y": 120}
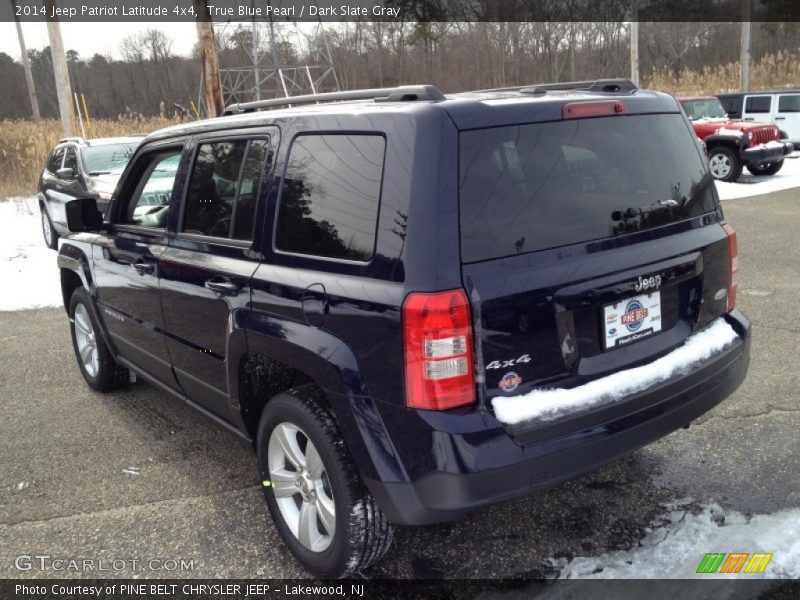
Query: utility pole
{"x": 744, "y": 53}
{"x": 634, "y": 42}
{"x": 63, "y": 87}
{"x": 209, "y": 60}
{"x": 26, "y": 65}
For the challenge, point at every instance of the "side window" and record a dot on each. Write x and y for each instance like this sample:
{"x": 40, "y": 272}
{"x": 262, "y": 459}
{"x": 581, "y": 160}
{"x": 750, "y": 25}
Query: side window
{"x": 149, "y": 204}
{"x": 330, "y": 196}
{"x": 71, "y": 159}
{"x": 758, "y": 104}
{"x": 789, "y": 103}
{"x": 223, "y": 190}
{"x": 245, "y": 210}
{"x": 56, "y": 158}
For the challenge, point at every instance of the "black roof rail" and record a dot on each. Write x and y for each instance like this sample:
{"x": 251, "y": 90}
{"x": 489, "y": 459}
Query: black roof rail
{"x": 405, "y": 93}
{"x": 71, "y": 139}
{"x": 597, "y": 85}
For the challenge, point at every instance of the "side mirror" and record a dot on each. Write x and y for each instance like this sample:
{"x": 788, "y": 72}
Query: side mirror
{"x": 83, "y": 215}
{"x": 66, "y": 173}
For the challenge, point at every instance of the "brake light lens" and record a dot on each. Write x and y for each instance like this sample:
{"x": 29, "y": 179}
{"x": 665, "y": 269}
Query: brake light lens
{"x": 602, "y": 108}
{"x": 733, "y": 251}
{"x": 438, "y": 355}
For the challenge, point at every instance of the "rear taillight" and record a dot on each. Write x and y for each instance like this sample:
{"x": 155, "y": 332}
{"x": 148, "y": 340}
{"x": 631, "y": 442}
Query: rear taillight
{"x": 437, "y": 336}
{"x": 733, "y": 253}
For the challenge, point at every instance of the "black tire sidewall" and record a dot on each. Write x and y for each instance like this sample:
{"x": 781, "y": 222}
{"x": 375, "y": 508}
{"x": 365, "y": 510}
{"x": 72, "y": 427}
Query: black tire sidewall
{"x": 770, "y": 169}
{"x": 332, "y": 561}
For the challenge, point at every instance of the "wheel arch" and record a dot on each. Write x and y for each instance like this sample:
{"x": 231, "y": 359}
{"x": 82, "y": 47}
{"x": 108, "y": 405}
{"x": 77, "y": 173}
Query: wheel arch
{"x": 75, "y": 271}
{"x": 729, "y": 141}
{"x": 281, "y": 354}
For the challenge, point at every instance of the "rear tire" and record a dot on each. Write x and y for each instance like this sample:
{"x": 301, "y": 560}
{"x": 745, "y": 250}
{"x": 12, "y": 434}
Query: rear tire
{"x": 323, "y": 512}
{"x": 95, "y": 361}
{"x": 724, "y": 164}
{"x": 766, "y": 168}
{"x": 48, "y": 231}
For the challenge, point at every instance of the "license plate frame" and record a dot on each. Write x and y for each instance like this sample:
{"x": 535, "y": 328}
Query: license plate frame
{"x": 631, "y": 320}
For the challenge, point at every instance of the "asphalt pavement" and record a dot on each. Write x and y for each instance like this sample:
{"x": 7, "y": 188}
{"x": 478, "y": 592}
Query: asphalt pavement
{"x": 139, "y": 476}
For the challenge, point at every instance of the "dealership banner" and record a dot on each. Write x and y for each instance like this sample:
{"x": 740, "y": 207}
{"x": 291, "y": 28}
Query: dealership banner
{"x": 400, "y": 10}
{"x": 277, "y": 589}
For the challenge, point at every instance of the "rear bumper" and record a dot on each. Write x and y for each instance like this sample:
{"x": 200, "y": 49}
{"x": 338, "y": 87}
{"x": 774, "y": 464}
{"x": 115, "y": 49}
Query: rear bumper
{"x": 524, "y": 461}
{"x": 763, "y": 154}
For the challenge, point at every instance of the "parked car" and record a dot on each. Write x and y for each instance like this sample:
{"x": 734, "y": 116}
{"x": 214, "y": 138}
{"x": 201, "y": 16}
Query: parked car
{"x": 780, "y": 107}
{"x": 416, "y": 305}
{"x": 78, "y": 168}
{"x": 732, "y": 145}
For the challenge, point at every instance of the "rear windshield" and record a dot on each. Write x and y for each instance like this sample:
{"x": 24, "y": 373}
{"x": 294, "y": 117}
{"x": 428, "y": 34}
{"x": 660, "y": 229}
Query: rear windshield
{"x": 108, "y": 158}
{"x": 531, "y": 187}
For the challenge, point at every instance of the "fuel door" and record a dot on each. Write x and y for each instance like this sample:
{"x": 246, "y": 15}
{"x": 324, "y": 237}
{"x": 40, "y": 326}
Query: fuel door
{"x": 315, "y": 305}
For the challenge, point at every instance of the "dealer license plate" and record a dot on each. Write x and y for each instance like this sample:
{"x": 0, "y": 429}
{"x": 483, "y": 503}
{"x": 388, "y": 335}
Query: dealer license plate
{"x": 632, "y": 319}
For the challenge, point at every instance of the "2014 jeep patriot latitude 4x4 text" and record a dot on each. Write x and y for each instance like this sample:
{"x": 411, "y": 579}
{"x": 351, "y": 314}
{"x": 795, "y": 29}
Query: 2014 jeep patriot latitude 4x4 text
{"x": 416, "y": 305}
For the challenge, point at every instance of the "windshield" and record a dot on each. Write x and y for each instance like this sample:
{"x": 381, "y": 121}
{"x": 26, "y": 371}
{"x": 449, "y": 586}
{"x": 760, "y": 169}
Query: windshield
{"x": 108, "y": 158}
{"x": 707, "y": 108}
{"x": 531, "y": 187}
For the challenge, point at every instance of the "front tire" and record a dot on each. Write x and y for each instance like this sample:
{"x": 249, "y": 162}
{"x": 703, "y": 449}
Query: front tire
{"x": 766, "y": 168}
{"x": 95, "y": 361}
{"x": 321, "y": 509}
{"x": 48, "y": 231}
{"x": 724, "y": 164}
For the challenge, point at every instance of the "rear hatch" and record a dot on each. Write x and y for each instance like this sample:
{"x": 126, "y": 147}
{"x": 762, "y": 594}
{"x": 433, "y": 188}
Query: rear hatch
{"x": 589, "y": 246}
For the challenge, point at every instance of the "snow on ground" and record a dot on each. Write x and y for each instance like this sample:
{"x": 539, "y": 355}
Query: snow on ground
{"x": 750, "y": 185}
{"x": 674, "y": 547}
{"x": 28, "y": 268}
{"x": 548, "y": 404}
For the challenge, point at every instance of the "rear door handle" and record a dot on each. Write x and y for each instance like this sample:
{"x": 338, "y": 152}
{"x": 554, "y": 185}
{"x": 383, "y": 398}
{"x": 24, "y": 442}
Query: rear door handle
{"x": 780, "y": 118}
{"x": 749, "y": 118}
{"x": 222, "y": 286}
{"x": 144, "y": 268}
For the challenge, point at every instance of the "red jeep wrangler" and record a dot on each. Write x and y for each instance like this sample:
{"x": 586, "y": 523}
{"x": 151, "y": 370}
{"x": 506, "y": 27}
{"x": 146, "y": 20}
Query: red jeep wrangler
{"x": 731, "y": 144}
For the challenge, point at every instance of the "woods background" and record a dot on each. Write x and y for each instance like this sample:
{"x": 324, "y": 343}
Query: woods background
{"x": 149, "y": 79}
{"x": 148, "y": 86}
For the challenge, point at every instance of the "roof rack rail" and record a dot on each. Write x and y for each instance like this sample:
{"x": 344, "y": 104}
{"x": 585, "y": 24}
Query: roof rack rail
{"x": 76, "y": 138}
{"x": 597, "y": 85}
{"x": 403, "y": 93}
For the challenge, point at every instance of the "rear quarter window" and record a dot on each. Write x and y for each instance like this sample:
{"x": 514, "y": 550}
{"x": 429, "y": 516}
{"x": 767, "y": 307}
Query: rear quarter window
{"x": 531, "y": 187}
{"x": 330, "y": 196}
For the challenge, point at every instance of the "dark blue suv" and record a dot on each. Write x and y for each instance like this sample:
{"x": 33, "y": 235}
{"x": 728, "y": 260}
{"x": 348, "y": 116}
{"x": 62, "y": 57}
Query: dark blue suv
{"x": 415, "y": 305}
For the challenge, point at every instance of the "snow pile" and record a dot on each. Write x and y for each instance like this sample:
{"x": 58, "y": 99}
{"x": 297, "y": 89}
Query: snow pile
{"x": 753, "y": 185}
{"x": 731, "y": 132}
{"x": 674, "y": 549}
{"x": 27, "y": 267}
{"x": 548, "y": 404}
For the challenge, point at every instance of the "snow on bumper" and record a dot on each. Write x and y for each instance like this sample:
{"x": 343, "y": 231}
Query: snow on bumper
{"x": 549, "y": 404}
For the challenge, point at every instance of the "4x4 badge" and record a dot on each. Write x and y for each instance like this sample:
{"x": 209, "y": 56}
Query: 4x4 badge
{"x": 500, "y": 364}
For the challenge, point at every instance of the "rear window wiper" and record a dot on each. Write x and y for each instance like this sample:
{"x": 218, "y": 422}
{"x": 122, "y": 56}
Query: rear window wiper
{"x": 634, "y": 211}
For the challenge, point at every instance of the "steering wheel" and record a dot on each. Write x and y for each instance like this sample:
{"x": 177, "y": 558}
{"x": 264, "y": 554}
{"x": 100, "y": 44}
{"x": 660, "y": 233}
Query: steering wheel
{"x": 221, "y": 228}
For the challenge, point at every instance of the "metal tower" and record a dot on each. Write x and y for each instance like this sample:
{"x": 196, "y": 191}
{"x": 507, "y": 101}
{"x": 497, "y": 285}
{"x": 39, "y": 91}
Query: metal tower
{"x": 267, "y": 76}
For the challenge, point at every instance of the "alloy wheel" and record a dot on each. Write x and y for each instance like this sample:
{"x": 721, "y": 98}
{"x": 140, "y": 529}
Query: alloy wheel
{"x": 720, "y": 166}
{"x": 86, "y": 340}
{"x": 301, "y": 486}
